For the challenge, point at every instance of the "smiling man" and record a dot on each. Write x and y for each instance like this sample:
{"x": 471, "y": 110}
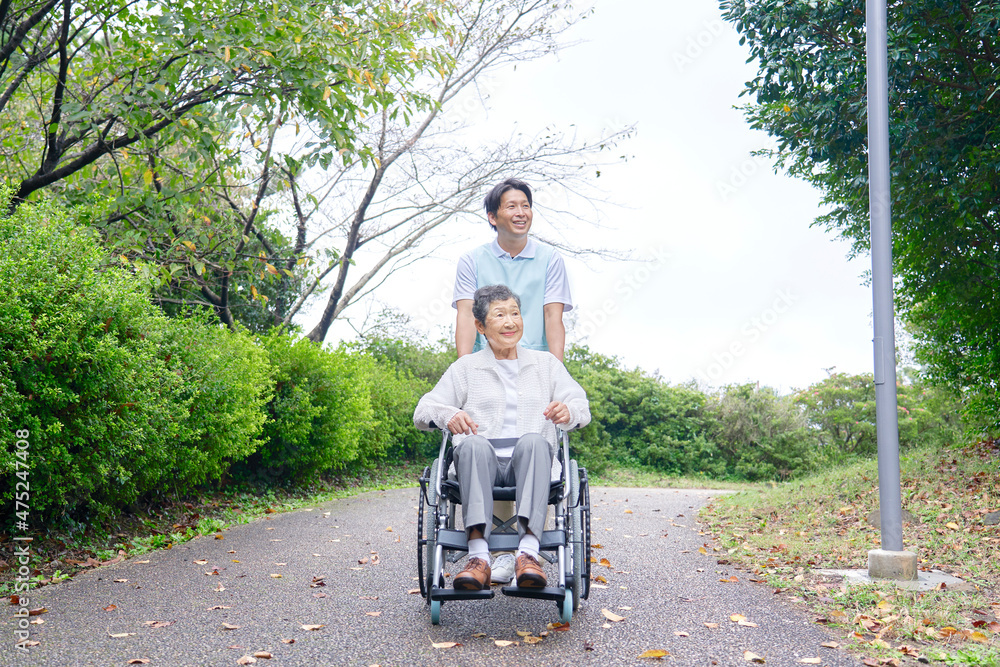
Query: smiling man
{"x": 532, "y": 269}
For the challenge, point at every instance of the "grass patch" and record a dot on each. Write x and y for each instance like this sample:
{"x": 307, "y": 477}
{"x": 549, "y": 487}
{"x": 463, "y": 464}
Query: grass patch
{"x": 59, "y": 553}
{"x": 783, "y": 533}
{"x": 648, "y": 478}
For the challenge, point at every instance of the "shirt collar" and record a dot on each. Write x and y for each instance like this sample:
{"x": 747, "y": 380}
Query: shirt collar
{"x": 527, "y": 253}
{"x": 486, "y": 359}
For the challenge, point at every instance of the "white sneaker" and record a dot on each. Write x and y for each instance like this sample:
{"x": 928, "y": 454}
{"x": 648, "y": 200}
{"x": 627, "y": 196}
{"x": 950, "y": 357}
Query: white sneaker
{"x": 503, "y": 569}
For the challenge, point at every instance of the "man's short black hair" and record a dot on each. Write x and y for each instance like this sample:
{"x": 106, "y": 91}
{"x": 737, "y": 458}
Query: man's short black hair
{"x": 492, "y": 201}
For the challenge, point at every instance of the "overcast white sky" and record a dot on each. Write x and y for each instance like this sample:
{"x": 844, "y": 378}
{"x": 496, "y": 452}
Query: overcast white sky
{"x": 739, "y": 287}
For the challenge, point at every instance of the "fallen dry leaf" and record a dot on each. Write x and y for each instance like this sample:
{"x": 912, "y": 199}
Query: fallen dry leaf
{"x": 247, "y": 660}
{"x": 219, "y": 606}
{"x": 445, "y": 644}
{"x": 229, "y": 626}
{"x": 657, "y": 653}
{"x": 312, "y": 627}
{"x": 287, "y": 641}
{"x": 158, "y": 624}
{"x": 200, "y": 562}
{"x": 681, "y": 633}
{"x": 36, "y": 612}
{"x": 736, "y": 618}
{"x": 504, "y": 642}
{"x": 830, "y": 645}
{"x": 558, "y": 627}
{"x": 119, "y": 635}
{"x": 263, "y": 654}
{"x": 605, "y": 562}
{"x": 138, "y": 661}
{"x": 413, "y": 591}
{"x": 110, "y": 607}
{"x": 276, "y": 576}
{"x": 811, "y": 661}
{"x": 750, "y": 656}
{"x": 711, "y": 625}
{"x": 746, "y": 623}
{"x": 373, "y": 613}
{"x": 612, "y": 616}
{"x": 532, "y": 640}
{"x": 121, "y": 581}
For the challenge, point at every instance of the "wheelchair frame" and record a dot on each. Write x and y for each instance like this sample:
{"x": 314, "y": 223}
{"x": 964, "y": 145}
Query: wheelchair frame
{"x": 439, "y": 542}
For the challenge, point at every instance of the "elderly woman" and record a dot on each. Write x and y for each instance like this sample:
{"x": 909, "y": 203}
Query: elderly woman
{"x": 514, "y": 397}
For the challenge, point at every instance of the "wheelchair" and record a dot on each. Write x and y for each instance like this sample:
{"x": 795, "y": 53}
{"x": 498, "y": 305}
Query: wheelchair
{"x": 440, "y": 543}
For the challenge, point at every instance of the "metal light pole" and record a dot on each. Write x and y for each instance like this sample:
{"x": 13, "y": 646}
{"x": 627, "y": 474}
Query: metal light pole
{"x": 889, "y": 562}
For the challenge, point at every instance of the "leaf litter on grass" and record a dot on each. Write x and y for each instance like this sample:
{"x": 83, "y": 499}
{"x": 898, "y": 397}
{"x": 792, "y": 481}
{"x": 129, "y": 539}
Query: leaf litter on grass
{"x": 782, "y": 534}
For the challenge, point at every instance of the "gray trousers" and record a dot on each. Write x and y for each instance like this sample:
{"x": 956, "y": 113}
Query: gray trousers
{"x": 478, "y": 470}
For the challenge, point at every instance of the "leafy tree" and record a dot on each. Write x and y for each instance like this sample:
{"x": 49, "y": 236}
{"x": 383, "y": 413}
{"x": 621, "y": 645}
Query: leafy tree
{"x": 759, "y": 434}
{"x": 841, "y": 413}
{"x": 637, "y": 418}
{"x": 944, "y": 64}
{"x": 171, "y": 110}
{"x": 368, "y": 219}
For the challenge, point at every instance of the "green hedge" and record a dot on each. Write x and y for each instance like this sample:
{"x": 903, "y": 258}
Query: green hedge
{"x": 226, "y": 383}
{"x": 81, "y": 370}
{"x": 121, "y": 402}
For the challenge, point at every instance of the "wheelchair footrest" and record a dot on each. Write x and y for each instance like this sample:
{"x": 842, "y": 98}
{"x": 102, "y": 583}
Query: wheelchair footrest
{"x": 547, "y": 593}
{"x": 445, "y": 594}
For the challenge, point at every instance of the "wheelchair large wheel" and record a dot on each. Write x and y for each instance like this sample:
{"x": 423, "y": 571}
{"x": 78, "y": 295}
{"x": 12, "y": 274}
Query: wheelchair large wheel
{"x": 426, "y": 568}
{"x": 576, "y": 532}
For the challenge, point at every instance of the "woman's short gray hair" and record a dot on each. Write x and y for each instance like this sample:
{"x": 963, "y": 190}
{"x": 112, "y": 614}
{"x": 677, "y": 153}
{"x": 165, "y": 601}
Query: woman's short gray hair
{"x": 485, "y": 296}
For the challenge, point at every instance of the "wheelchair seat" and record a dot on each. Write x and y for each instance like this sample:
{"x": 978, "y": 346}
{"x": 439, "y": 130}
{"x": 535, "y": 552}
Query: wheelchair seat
{"x": 449, "y": 486}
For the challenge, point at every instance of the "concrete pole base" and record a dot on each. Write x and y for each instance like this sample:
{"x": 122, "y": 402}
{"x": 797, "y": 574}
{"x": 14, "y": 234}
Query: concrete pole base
{"x": 898, "y": 565}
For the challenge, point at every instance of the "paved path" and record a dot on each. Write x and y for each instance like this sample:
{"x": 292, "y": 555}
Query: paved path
{"x": 658, "y": 581}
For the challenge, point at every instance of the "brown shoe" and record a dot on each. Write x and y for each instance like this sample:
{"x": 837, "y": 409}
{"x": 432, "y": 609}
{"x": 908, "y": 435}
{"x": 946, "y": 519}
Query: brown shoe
{"x": 475, "y": 576}
{"x": 529, "y": 572}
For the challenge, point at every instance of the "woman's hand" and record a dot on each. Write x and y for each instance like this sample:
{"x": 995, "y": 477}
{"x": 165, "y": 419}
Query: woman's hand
{"x": 462, "y": 423}
{"x": 557, "y": 412}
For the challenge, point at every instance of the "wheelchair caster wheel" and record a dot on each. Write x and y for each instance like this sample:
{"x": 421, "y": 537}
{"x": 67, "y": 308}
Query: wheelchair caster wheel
{"x": 567, "y": 607}
{"x": 436, "y": 612}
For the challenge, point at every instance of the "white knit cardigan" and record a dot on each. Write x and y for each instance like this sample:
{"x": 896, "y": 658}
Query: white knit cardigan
{"x": 473, "y": 384}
